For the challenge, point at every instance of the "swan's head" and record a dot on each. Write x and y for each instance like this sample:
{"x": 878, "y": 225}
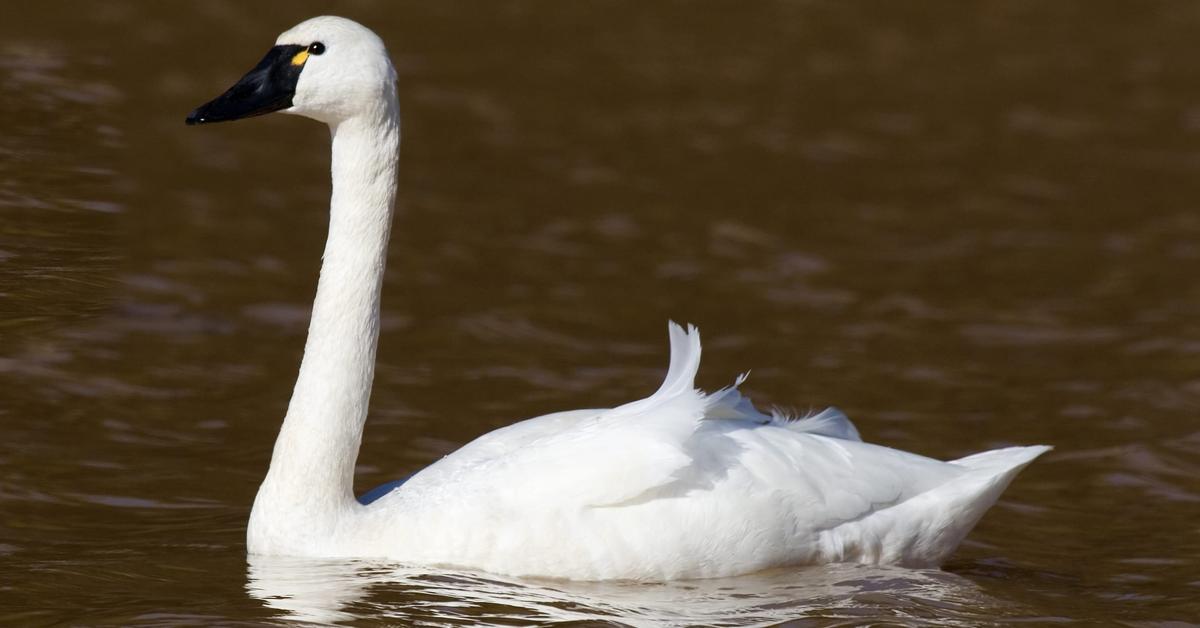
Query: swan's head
{"x": 327, "y": 68}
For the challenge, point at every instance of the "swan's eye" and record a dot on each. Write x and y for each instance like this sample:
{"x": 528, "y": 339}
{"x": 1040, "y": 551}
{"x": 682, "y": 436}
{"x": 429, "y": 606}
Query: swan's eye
{"x": 316, "y": 48}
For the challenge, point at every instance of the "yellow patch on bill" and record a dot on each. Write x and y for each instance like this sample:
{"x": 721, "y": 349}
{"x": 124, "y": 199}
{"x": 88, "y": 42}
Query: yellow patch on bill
{"x": 300, "y": 58}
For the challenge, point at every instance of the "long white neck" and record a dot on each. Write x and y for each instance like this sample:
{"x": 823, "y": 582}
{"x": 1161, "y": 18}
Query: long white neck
{"x": 312, "y": 468}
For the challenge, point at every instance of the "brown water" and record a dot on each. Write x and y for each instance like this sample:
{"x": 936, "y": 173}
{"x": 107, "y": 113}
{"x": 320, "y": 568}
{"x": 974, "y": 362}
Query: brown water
{"x": 967, "y": 224}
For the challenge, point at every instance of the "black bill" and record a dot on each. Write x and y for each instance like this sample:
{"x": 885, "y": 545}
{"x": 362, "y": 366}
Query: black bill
{"x": 269, "y": 87}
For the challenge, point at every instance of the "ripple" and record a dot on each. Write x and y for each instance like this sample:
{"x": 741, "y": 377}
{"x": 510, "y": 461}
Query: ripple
{"x": 333, "y": 591}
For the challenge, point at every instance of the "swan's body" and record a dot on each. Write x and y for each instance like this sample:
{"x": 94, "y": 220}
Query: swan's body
{"x": 678, "y": 485}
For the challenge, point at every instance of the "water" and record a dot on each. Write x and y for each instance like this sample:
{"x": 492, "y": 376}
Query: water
{"x": 967, "y": 224}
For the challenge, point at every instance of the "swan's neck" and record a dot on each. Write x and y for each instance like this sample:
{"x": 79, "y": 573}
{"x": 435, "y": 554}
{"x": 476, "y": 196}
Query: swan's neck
{"x": 312, "y": 468}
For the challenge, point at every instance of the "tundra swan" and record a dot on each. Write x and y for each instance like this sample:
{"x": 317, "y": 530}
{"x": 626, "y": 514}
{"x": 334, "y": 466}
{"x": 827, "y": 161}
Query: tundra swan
{"x": 681, "y": 484}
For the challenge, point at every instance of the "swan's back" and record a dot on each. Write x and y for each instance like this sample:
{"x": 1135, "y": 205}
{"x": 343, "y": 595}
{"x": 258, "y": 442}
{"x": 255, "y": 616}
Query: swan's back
{"x": 684, "y": 485}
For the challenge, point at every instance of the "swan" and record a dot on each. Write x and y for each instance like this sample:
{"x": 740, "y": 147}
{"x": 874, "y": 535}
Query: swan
{"x": 679, "y": 485}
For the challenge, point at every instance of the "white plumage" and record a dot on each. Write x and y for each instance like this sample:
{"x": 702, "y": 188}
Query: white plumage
{"x": 678, "y": 485}
{"x": 683, "y": 485}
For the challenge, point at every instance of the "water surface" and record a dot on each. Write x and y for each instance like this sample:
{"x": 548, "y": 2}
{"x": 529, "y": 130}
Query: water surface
{"x": 969, "y": 225}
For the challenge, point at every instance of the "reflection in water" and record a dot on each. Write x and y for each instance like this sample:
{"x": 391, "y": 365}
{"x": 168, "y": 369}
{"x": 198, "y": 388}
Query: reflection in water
{"x": 327, "y": 591}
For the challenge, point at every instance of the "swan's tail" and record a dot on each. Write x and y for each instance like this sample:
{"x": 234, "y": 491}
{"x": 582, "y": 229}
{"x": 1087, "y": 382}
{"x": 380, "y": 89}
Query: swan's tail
{"x": 1009, "y": 460}
{"x": 953, "y": 509}
{"x": 924, "y": 531}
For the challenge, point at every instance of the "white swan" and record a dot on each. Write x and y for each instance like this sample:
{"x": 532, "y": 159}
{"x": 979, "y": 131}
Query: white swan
{"x": 678, "y": 485}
